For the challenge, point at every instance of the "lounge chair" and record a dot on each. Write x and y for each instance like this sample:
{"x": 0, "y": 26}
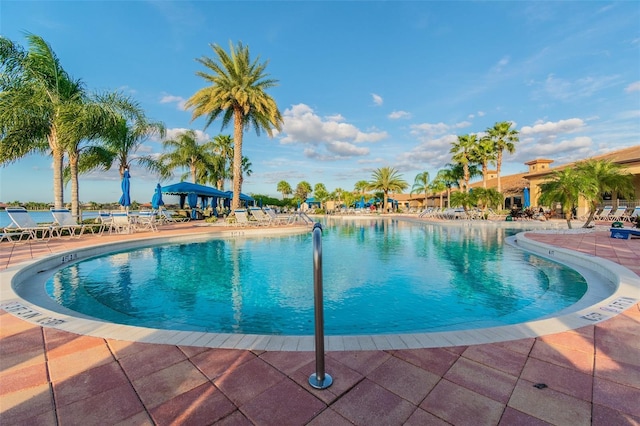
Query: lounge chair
{"x": 120, "y": 223}
{"x": 261, "y": 217}
{"x": 146, "y": 221}
{"x": 22, "y": 221}
{"x": 242, "y": 218}
{"x": 104, "y": 219}
{"x": 618, "y": 214}
{"x": 633, "y": 215}
{"x": 604, "y": 214}
{"x": 63, "y": 219}
{"x": 168, "y": 216}
{"x": 277, "y": 218}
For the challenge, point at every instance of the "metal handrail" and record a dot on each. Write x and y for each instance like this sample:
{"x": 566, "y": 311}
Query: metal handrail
{"x": 319, "y": 379}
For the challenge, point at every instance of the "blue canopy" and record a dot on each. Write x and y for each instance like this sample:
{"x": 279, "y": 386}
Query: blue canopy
{"x": 182, "y": 188}
{"x": 125, "y": 200}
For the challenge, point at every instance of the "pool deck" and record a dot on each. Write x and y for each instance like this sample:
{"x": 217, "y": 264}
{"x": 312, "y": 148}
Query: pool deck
{"x": 586, "y": 376}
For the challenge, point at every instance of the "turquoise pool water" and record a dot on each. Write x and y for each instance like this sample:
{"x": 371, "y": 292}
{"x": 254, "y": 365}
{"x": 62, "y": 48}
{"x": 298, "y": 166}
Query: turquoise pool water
{"x": 380, "y": 276}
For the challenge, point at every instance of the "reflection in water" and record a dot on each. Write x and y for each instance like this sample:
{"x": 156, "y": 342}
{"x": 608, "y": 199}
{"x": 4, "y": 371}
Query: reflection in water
{"x": 380, "y": 275}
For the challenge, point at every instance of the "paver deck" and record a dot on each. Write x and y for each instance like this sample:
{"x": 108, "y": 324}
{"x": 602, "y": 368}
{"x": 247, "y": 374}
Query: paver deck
{"x": 586, "y": 376}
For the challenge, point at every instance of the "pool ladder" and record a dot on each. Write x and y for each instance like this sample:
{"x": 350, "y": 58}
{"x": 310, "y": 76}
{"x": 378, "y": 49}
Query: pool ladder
{"x": 319, "y": 379}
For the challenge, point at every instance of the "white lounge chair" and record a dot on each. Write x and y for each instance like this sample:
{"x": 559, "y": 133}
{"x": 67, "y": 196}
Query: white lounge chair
{"x": 168, "y": 216}
{"x": 619, "y": 214}
{"x": 22, "y": 221}
{"x": 63, "y": 219}
{"x": 277, "y": 218}
{"x": 261, "y": 217}
{"x": 604, "y": 214}
{"x": 242, "y": 218}
{"x": 146, "y": 221}
{"x": 120, "y": 223}
{"x": 633, "y": 215}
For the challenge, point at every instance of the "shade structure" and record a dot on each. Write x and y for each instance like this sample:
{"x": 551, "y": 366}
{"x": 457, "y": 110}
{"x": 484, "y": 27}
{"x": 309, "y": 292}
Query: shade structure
{"x": 156, "y": 200}
{"x": 183, "y": 188}
{"x": 526, "y": 198}
{"x": 125, "y": 199}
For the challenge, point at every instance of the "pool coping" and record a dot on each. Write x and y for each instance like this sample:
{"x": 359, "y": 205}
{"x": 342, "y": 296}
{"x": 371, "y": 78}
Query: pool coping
{"x": 28, "y": 276}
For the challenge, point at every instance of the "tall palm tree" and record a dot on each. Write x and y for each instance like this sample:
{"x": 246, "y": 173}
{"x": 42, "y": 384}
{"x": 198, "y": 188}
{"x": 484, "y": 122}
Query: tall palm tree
{"x": 284, "y": 188}
{"x": 421, "y": 184}
{"x": 187, "y": 152}
{"x": 484, "y": 153}
{"x": 387, "y": 179}
{"x": 237, "y": 91}
{"x": 96, "y": 118}
{"x": 606, "y": 177}
{"x": 504, "y": 139}
{"x": 565, "y": 187}
{"x": 37, "y": 97}
{"x": 463, "y": 153}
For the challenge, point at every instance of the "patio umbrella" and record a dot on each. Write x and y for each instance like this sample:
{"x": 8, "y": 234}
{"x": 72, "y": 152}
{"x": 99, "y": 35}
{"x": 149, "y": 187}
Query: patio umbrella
{"x": 527, "y": 199}
{"x": 125, "y": 200}
{"x": 156, "y": 200}
{"x": 192, "y": 199}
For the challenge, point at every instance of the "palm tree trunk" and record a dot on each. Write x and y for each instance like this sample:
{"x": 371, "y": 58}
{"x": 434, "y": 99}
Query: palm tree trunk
{"x": 498, "y": 167}
{"x": 238, "y": 122}
{"x": 567, "y": 216}
{"x": 75, "y": 191}
{"x": 484, "y": 175}
{"x": 58, "y": 187}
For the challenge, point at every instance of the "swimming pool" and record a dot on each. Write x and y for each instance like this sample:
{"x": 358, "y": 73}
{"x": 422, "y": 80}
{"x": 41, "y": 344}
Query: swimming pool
{"x": 380, "y": 276}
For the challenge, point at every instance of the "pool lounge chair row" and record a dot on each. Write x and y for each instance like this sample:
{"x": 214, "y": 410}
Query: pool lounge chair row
{"x": 256, "y": 216}
{"x": 622, "y": 213}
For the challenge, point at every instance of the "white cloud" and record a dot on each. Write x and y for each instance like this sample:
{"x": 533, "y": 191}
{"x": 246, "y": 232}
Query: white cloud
{"x": 562, "y": 126}
{"x": 501, "y": 64}
{"x": 395, "y": 115}
{"x": 178, "y": 100}
{"x": 328, "y": 138}
{"x": 462, "y": 124}
{"x": 201, "y": 136}
{"x": 377, "y": 99}
{"x": 633, "y": 87}
{"x": 428, "y": 129}
{"x": 481, "y": 113}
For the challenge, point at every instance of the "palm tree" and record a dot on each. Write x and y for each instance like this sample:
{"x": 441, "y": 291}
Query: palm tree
{"x": 187, "y": 152}
{"x": 606, "y": 177}
{"x": 102, "y": 118}
{"x": 504, "y": 138}
{"x": 484, "y": 198}
{"x": 224, "y": 149}
{"x": 421, "y": 184}
{"x": 284, "y": 188}
{"x": 449, "y": 178}
{"x": 462, "y": 199}
{"x": 463, "y": 153}
{"x": 237, "y": 92}
{"x": 565, "y": 187}
{"x": 303, "y": 189}
{"x": 38, "y": 96}
{"x": 387, "y": 179}
{"x": 484, "y": 154}
{"x": 438, "y": 186}
{"x": 361, "y": 186}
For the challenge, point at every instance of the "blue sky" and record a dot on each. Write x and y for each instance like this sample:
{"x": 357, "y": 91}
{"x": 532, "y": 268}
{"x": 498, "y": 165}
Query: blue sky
{"x": 362, "y": 85}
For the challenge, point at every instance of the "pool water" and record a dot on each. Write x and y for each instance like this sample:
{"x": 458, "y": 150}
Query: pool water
{"x": 380, "y": 276}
